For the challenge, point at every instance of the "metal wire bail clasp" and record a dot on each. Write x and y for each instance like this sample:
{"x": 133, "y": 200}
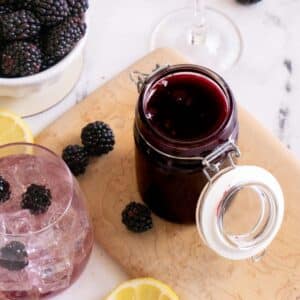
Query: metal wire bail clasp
{"x": 140, "y": 78}
{"x": 213, "y": 162}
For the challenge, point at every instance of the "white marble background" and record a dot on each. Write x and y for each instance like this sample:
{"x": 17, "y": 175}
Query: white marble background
{"x": 119, "y": 34}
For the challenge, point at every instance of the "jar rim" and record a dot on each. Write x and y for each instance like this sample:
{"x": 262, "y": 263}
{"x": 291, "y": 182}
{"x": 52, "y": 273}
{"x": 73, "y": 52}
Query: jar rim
{"x": 185, "y": 145}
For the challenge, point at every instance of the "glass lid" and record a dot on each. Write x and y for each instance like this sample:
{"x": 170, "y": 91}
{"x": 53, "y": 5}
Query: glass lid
{"x": 240, "y": 212}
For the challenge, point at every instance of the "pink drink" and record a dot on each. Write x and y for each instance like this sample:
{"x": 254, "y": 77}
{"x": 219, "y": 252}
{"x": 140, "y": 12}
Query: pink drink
{"x": 59, "y": 242}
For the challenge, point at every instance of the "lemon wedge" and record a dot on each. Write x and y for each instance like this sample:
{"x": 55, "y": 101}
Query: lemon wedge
{"x": 13, "y": 129}
{"x": 143, "y": 289}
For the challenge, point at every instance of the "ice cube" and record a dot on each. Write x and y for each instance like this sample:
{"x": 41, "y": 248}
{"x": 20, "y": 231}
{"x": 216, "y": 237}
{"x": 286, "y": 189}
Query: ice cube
{"x": 14, "y": 280}
{"x": 30, "y": 171}
{"x": 20, "y": 222}
{"x": 83, "y": 244}
{"x": 51, "y": 260}
{"x": 52, "y": 273}
{"x": 67, "y": 224}
{"x": 44, "y": 242}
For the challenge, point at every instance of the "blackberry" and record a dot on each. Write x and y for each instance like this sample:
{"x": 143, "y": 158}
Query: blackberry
{"x": 21, "y": 59}
{"x": 98, "y": 138}
{"x": 61, "y": 39}
{"x": 19, "y": 25}
{"x": 77, "y": 159}
{"x": 248, "y": 1}
{"x": 26, "y": 4}
{"x": 37, "y": 199}
{"x": 48, "y": 62}
{"x": 13, "y": 256}
{"x": 18, "y": 4}
{"x": 78, "y": 7}
{"x": 137, "y": 217}
{"x": 36, "y": 40}
{"x": 51, "y": 12}
{"x": 4, "y": 10}
{"x": 4, "y": 190}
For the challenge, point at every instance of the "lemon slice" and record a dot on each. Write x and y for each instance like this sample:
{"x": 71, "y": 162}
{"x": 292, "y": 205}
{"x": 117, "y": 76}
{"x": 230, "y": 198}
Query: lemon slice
{"x": 143, "y": 289}
{"x": 13, "y": 129}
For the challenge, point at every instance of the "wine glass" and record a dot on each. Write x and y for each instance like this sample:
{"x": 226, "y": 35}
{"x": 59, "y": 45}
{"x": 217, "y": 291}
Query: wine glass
{"x": 205, "y": 35}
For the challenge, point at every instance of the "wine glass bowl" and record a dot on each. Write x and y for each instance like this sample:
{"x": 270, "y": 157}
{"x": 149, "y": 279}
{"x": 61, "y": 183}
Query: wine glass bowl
{"x": 204, "y": 35}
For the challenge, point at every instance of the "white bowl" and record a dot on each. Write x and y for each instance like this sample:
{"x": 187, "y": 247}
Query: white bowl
{"x": 33, "y": 94}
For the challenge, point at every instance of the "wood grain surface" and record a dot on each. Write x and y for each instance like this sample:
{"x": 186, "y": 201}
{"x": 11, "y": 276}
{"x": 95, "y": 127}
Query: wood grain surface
{"x": 175, "y": 253}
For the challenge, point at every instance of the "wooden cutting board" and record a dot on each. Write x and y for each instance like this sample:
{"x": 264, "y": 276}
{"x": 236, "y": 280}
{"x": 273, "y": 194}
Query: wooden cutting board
{"x": 175, "y": 253}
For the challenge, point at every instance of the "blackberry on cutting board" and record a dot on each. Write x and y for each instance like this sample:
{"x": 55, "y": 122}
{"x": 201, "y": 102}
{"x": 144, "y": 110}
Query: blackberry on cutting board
{"x": 19, "y": 25}
{"x": 4, "y": 190}
{"x": 248, "y": 1}
{"x": 37, "y": 199}
{"x": 98, "y": 138}
{"x": 13, "y": 256}
{"x": 61, "y": 39}
{"x": 137, "y": 217}
{"x": 51, "y": 12}
{"x": 78, "y": 7}
{"x": 20, "y": 59}
{"x": 77, "y": 159}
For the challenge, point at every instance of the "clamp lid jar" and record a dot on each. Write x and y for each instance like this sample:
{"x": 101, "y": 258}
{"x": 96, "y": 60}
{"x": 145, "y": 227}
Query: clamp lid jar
{"x": 186, "y": 131}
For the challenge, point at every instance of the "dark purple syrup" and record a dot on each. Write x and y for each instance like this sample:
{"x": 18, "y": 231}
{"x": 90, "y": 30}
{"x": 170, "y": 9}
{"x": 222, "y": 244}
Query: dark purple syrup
{"x": 186, "y": 106}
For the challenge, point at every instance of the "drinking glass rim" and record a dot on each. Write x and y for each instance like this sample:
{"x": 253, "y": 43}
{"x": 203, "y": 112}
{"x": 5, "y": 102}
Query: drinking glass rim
{"x": 45, "y": 149}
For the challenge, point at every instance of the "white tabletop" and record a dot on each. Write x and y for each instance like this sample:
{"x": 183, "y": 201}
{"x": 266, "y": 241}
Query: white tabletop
{"x": 119, "y": 34}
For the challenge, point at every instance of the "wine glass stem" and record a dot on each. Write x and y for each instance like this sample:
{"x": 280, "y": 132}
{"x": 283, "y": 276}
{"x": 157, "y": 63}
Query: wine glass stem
{"x": 198, "y": 31}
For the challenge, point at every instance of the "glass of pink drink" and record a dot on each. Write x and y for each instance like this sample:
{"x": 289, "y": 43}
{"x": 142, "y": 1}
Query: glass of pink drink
{"x": 41, "y": 254}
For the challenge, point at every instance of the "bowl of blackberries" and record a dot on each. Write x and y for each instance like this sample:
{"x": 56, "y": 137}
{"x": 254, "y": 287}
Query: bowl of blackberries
{"x": 40, "y": 40}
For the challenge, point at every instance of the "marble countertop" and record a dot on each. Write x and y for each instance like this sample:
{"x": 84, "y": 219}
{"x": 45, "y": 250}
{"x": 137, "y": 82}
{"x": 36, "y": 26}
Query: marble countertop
{"x": 264, "y": 81}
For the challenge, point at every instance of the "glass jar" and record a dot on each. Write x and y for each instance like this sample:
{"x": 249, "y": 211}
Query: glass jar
{"x": 186, "y": 131}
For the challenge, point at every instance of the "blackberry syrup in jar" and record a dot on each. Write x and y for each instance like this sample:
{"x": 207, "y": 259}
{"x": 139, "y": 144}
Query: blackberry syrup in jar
{"x": 186, "y": 131}
{"x": 184, "y": 113}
